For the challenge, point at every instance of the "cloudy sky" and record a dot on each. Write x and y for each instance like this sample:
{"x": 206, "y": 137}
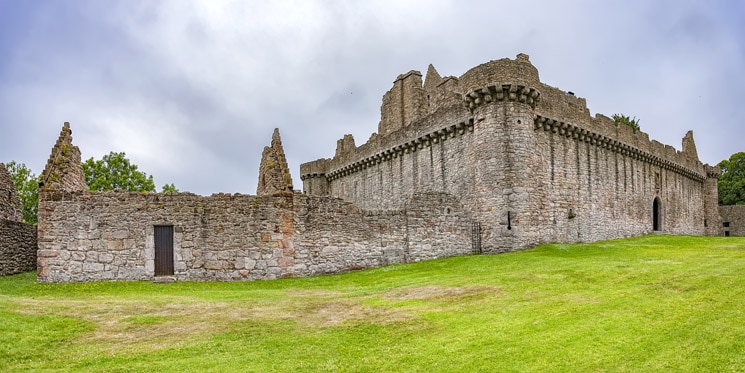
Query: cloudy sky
{"x": 191, "y": 90}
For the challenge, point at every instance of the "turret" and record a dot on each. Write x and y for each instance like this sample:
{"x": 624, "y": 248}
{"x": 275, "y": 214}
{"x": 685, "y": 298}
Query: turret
{"x": 313, "y": 175}
{"x": 502, "y": 96}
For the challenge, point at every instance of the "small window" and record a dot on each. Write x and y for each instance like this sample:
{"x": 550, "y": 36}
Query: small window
{"x": 725, "y": 224}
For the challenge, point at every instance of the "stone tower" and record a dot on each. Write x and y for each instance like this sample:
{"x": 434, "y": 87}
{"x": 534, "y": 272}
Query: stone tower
{"x": 502, "y": 96}
{"x": 274, "y": 175}
{"x": 63, "y": 170}
{"x": 10, "y": 203}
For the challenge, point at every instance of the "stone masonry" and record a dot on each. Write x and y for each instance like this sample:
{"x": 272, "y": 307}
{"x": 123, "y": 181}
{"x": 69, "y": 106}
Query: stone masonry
{"x": 491, "y": 161}
{"x": 90, "y": 236}
{"x": 733, "y": 220}
{"x": 63, "y": 170}
{"x": 17, "y": 239}
{"x": 525, "y": 159}
{"x": 274, "y": 175}
{"x": 10, "y": 203}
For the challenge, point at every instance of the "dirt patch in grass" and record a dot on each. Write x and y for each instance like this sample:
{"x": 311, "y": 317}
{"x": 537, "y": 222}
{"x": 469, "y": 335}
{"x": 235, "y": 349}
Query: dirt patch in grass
{"x": 125, "y": 324}
{"x": 440, "y": 293}
{"x": 314, "y": 293}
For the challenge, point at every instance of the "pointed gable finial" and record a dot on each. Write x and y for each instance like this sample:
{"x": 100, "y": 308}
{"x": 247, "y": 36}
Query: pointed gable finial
{"x": 274, "y": 175}
{"x": 432, "y": 79}
{"x": 63, "y": 170}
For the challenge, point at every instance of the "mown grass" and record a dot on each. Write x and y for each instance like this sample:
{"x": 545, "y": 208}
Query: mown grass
{"x": 671, "y": 303}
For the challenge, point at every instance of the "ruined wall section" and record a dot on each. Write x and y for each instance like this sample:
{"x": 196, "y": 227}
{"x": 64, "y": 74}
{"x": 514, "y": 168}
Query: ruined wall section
{"x": 733, "y": 220}
{"x": 274, "y": 175}
{"x": 17, "y": 247}
{"x": 92, "y": 236}
{"x": 64, "y": 170}
{"x": 10, "y": 202}
{"x": 17, "y": 239}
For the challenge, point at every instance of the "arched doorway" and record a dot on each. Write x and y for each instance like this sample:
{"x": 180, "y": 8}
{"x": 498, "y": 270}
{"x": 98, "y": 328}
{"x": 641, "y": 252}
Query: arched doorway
{"x": 656, "y": 214}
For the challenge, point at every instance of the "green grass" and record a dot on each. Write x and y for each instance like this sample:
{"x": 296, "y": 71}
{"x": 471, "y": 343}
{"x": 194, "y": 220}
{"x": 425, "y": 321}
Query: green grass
{"x": 654, "y": 303}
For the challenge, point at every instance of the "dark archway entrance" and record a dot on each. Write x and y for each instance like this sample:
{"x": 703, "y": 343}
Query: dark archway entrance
{"x": 656, "y": 214}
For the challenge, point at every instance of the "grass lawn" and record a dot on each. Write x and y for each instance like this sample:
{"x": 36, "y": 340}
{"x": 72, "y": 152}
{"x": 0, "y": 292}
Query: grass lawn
{"x": 670, "y": 303}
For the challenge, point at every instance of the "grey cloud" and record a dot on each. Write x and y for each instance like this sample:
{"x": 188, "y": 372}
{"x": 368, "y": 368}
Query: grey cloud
{"x": 192, "y": 90}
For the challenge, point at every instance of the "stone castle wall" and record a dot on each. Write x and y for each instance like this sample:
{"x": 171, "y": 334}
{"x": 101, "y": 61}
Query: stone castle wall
{"x": 89, "y": 236}
{"x": 527, "y": 160}
{"x": 733, "y": 220}
{"x": 17, "y": 239}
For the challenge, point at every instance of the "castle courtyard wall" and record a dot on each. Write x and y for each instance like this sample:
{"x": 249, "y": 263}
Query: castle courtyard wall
{"x": 91, "y": 236}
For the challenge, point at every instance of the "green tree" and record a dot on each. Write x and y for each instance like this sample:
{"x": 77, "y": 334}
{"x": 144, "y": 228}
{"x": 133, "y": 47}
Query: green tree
{"x": 115, "y": 171}
{"x": 169, "y": 188}
{"x": 627, "y": 121}
{"x": 27, "y": 185}
{"x": 732, "y": 182}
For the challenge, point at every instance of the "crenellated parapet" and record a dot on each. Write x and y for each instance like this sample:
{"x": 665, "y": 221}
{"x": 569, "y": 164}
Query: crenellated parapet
{"x": 400, "y": 149}
{"x": 605, "y": 142}
{"x": 713, "y": 172}
{"x": 502, "y": 92}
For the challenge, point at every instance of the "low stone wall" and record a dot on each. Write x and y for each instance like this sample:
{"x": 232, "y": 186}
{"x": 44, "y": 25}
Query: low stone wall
{"x": 17, "y": 247}
{"x": 733, "y": 220}
{"x": 91, "y": 236}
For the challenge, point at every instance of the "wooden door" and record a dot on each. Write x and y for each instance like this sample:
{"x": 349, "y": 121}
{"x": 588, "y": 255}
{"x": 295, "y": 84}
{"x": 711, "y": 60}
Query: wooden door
{"x": 163, "y": 250}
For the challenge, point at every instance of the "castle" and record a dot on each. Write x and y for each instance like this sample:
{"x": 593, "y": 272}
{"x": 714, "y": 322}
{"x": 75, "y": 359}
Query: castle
{"x": 491, "y": 161}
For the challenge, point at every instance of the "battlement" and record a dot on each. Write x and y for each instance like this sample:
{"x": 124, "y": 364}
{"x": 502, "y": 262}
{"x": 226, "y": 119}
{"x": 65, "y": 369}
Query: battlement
{"x": 445, "y": 108}
{"x": 635, "y": 145}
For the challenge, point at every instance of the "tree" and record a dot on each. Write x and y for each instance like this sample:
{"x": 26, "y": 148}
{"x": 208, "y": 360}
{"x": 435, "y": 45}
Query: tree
{"x": 732, "y": 181}
{"x": 628, "y": 121}
{"x": 169, "y": 188}
{"x": 114, "y": 171}
{"x": 27, "y": 185}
